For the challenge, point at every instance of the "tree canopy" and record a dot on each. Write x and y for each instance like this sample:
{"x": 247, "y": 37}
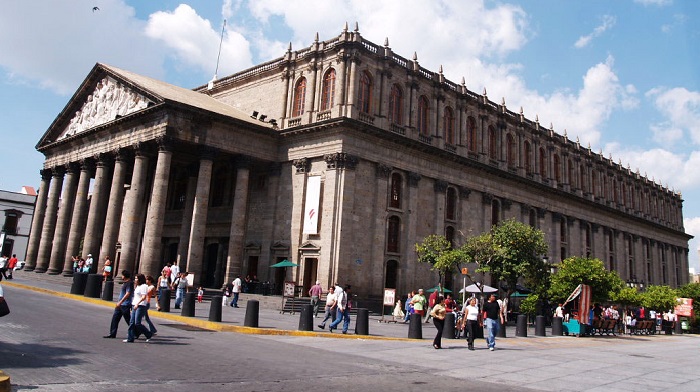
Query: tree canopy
{"x": 438, "y": 252}
{"x": 661, "y": 298}
{"x": 579, "y": 270}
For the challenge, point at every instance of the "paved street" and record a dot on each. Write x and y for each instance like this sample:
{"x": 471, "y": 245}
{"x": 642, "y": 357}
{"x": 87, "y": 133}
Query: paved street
{"x": 54, "y": 343}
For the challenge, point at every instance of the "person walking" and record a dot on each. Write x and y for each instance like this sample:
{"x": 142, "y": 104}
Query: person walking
{"x": 180, "y": 286}
{"x": 408, "y": 307}
{"x": 163, "y": 284}
{"x": 315, "y": 293}
{"x": 472, "y": 319}
{"x": 3, "y": 267}
{"x": 344, "y": 304}
{"x": 418, "y": 301}
{"x": 236, "y": 290}
{"x": 438, "y": 314}
{"x": 493, "y": 316}
{"x": 11, "y": 264}
{"x": 123, "y": 307}
{"x": 432, "y": 300}
{"x": 152, "y": 293}
{"x": 174, "y": 272}
{"x": 330, "y": 307}
{"x": 139, "y": 307}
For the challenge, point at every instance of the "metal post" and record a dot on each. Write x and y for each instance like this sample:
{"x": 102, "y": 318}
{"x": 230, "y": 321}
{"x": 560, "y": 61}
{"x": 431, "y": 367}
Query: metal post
{"x": 252, "y": 312}
{"x": 215, "y": 308}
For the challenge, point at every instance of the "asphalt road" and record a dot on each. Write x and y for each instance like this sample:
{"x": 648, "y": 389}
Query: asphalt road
{"x": 55, "y": 344}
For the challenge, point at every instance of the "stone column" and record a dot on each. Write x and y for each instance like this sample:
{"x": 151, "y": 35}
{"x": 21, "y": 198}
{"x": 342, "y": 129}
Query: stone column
{"x": 186, "y": 225}
{"x": 236, "y": 241}
{"x": 65, "y": 213}
{"x": 114, "y": 211}
{"x": 195, "y": 253}
{"x": 38, "y": 220}
{"x": 47, "y": 232}
{"x": 440, "y": 188}
{"x": 382, "y": 191}
{"x": 408, "y": 239}
{"x": 152, "y": 241}
{"x": 96, "y": 214}
{"x": 130, "y": 226}
{"x": 352, "y": 87}
{"x": 340, "y": 91}
{"x": 77, "y": 224}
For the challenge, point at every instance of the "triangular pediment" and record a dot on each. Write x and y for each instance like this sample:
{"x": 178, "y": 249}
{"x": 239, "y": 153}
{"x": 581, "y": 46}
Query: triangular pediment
{"x": 309, "y": 247}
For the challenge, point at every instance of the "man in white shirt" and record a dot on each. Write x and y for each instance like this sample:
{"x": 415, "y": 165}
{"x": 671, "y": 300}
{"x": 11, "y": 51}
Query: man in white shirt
{"x": 236, "y": 290}
{"x": 88, "y": 263}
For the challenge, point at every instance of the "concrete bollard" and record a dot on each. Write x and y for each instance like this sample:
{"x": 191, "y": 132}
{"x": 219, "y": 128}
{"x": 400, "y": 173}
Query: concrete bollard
{"x": 188, "y": 304}
{"x": 501, "y": 331}
{"x": 252, "y": 313}
{"x": 108, "y": 291}
{"x": 164, "y": 301}
{"x": 362, "y": 322}
{"x": 415, "y": 327}
{"x": 521, "y": 326}
{"x": 215, "y": 308}
{"x": 557, "y": 326}
{"x": 93, "y": 286}
{"x": 539, "y": 326}
{"x": 306, "y": 318}
{"x": 448, "y": 330}
{"x": 79, "y": 282}
{"x": 679, "y": 327}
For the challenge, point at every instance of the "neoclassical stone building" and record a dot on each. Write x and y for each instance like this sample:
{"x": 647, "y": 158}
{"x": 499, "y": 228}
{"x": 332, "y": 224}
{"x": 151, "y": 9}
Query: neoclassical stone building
{"x": 339, "y": 157}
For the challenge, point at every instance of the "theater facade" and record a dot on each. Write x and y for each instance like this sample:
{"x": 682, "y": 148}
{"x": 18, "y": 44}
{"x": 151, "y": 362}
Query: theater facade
{"x": 338, "y": 157}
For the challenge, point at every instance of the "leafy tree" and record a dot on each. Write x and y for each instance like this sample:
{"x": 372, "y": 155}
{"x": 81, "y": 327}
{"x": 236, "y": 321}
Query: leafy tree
{"x": 579, "y": 270}
{"x": 692, "y": 290}
{"x": 437, "y": 251}
{"x": 529, "y": 305}
{"x": 661, "y": 298}
{"x": 627, "y": 296}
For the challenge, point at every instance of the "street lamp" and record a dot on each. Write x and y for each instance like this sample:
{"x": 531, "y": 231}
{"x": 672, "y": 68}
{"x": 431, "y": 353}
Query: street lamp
{"x": 632, "y": 282}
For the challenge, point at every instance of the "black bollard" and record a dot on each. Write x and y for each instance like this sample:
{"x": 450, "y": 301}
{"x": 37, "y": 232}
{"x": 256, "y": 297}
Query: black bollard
{"x": 679, "y": 327}
{"x": 539, "y": 326}
{"x": 108, "y": 291}
{"x": 415, "y": 327}
{"x": 306, "y": 318}
{"x": 93, "y": 286}
{"x": 362, "y": 322}
{"x": 79, "y": 282}
{"x": 188, "y": 304}
{"x": 215, "y": 308}
{"x": 521, "y": 326}
{"x": 164, "y": 301}
{"x": 557, "y": 327}
{"x": 448, "y": 330}
{"x": 252, "y": 313}
{"x": 501, "y": 331}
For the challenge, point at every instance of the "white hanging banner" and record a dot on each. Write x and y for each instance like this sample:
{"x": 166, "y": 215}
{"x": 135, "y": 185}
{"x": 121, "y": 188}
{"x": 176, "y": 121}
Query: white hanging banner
{"x": 313, "y": 196}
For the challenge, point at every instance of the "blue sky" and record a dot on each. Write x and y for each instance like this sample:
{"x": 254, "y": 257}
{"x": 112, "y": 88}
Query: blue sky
{"x": 621, "y": 75}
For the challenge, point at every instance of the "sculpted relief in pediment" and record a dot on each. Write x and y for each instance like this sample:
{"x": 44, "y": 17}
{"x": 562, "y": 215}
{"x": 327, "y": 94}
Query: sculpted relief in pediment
{"x": 109, "y": 101}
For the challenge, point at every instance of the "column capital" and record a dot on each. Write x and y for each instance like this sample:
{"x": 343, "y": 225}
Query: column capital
{"x": 383, "y": 171}
{"x": 242, "y": 162}
{"x": 87, "y": 164}
{"x": 45, "y": 174}
{"x": 413, "y": 179}
{"x": 302, "y": 165}
{"x": 440, "y": 186}
{"x": 207, "y": 153}
{"x": 59, "y": 171}
{"x": 164, "y": 142}
{"x": 464, "y": 192}
{"x": 73, "y": 167}
{"x": 340, "y": 160}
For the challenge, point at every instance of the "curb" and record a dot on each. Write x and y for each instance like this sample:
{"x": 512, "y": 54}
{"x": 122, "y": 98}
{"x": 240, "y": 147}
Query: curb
{"x": 5, "y": 385}
{"x": 211, "y": 325}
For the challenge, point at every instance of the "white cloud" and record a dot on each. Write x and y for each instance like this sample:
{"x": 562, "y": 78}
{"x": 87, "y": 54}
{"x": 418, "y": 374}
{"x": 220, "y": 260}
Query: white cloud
{"x": 195, "y": 42}
{"x": 692, "y": 227}
{"x": 659, "y": 3}
{"x": 607, "y": 23}
{"x": 681, "y": 110}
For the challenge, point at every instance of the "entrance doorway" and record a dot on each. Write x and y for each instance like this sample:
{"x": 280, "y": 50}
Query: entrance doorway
{"x": 280, "y": 275}
{"x": 392, "y": 271}
{"x": 310, "y": 273}
{"x": 208, "y": 278}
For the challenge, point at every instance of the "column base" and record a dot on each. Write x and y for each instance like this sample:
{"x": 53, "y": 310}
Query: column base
{"x": 28, "y": 268}
{"x": 39, "y": 270}
{"x": 53, "y": 272}
{"x": 68, "y": 273}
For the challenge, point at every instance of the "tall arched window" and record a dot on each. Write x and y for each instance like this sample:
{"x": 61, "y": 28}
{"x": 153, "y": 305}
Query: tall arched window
{"x": 528, "y": 157}
{"x": 493, "y": 145}
{"x": 299, "y": 98}
{"x": 396, "y": 105}
{"x": 510, "y": 151}
{"x": 471, "y": 134}
{"x": 364, "y": 97}
{"x": 449, "y": 126}
{"x": 451, "y": 204}
{"x": 594, "y": 182}
{"x": 557, "y": 168}
{"x": 395, "y": 197}
{"x": 422, "y": 124}
{"x": 570, "y": 173}
{"x": 582, "y": 179}
{"x": 393, "y": 234}
{"x": 543, "y": 163}
{"x": 328, "y": 90}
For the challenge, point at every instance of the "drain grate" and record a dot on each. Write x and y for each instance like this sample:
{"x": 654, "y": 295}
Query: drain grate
{"x": 186, "y": 327}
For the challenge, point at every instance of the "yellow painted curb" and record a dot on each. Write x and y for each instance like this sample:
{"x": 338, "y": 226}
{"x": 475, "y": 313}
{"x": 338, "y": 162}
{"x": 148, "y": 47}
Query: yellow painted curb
{"x": 4, "y": 382}
{"x": 211, "y": 325}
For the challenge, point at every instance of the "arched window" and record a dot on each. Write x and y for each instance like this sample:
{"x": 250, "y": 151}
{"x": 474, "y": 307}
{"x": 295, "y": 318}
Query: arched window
{"x": 582, "y": 179}
{"x": 393, "y": 234}
{"x": 528, "y": 158}
{"x": 422, "y": 124}
{"x": 299, "y": 98}
{"x": 449, "y": 126}
{"x": 471, "y": 133}
{"x": 364, "y": 98}
{"x": 570, "y": 173}
{"x": 493, "y": 144}
{"x": 450, "y": 235}
{"x": 328, "y": 90}
{"x": 543, "y": 163}
{"x": 396, "y": 105}
{"x": 557, "y": 168}
{"x": 510, "y": 150}
{"x": 395, "y": 197}
{"x": 451, "y": 204}
{"x": 594, "y": 182}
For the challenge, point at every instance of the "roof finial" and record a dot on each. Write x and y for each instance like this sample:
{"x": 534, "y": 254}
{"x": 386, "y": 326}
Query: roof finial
{"x": 521, "y": 110}
{"x": 415, "y": 56}
{"x": 463, "y": 81}
{"x": 357, "y": 27}
{"x": 484, "y": 93}
{"x": 386, "y": 42}
{"x": 565, "y": 134}
{"x": 537, "y": 118}
{"x": 503, "y": 101}
{"x": 345, "y": 29}
{"x": 289, "y": 48}
{"x": 589, "y": 146}
{"x": 440, "y": 69}
{"x": 316, "y": 39}
{"x": 551, "y": 126}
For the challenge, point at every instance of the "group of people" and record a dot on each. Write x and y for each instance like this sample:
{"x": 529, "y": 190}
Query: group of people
{"x": 81, "y": 264}
{"x": 7, "y": 265}
{"x": 132, "y": 306}
{"x": 337, "y": 308}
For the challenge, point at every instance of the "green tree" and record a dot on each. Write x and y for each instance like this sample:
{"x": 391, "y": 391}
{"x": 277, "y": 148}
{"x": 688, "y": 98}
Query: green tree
{"x": 437, "y": 251}
{"x": 692, "y": 290}
{"x": 579, "y": 270}
{"x": 627, "y": 296}
{"x": 529, "y": 305}
{"x": 660, "y": 298}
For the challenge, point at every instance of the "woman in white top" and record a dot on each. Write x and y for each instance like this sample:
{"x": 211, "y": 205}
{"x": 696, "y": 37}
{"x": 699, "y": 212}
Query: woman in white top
{"x": 139, "y": 303}
{"x": 473, "y": 318}
{"x": 163, "y": 284}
